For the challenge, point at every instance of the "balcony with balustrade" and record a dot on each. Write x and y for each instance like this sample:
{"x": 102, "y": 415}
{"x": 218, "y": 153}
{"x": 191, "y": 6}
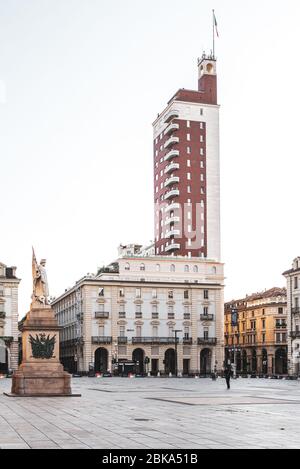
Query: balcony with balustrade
{"x": 171, "y": 128}
{"x": 171, "y": 154}
{"x": 101, "y": 315}
{"x": 172, "y": 167}
{"x": 171, "y": 141}
{"x": 172, "y": 114}
{"x": 172, "y": 193}
{"x": 101, "y": 340}
{"x": 207, "y": 341}
{"x": 172, "y": 247}
{"x": 172, "y": 180}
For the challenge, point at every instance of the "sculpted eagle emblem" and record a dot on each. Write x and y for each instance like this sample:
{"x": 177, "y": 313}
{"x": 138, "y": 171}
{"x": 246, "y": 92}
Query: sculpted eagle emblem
{"x": 42, "y": 346}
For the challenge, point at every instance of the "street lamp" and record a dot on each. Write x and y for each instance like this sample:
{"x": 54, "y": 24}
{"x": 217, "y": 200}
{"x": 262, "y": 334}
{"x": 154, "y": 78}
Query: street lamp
{"x": 175, "y": 332}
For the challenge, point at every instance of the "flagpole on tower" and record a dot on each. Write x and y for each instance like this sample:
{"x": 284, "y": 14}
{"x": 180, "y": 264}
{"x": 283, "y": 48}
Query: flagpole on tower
{"x": 213, "y": 17}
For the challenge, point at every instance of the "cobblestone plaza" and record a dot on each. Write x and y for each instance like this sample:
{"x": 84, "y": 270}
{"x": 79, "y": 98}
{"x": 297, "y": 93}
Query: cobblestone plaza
{"x": 156, "y": 413}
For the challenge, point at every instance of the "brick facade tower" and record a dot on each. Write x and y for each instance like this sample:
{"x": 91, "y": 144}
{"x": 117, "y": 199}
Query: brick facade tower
{"x": 186, "y": 170}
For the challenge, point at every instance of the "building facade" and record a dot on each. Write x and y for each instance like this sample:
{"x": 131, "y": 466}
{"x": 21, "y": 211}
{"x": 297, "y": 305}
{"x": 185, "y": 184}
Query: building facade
{"x": 255, "y": 330}
{"x": 162, "y": 314}
{"x": 186, "y": 170}
{"x": 9, "y": 347}
{"x": 293, "y": 315}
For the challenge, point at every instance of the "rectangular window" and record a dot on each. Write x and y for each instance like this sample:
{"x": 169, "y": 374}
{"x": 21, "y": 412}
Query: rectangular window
{"x": 188, "y": 150}
{"x": 138, "y": 293}
{"x": 154, "y": 293}
{"x": 296, "y": 283}
{"x": 188, "y": 163}
{"x": 277, "y": 337}
{"x": 201, "y": 151}
{"x": 170, "y": 294}
{"x": 205, "y": 310}
{"x": 188, "y": 137}
{"x": 101, "y": 292}
{"x": 188, "y": 124}
{"x": 205, "y": 294}
{"x": 121, "y": 292}
{"x": 188, "y": 175}
{"x": 280, "y": 310}
{"x": 186, "y": 294}
{"x": 189, "y": 189}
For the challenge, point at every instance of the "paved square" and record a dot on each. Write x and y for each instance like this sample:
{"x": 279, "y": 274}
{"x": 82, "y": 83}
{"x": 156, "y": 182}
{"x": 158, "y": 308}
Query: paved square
{"x": 156, "y": 413}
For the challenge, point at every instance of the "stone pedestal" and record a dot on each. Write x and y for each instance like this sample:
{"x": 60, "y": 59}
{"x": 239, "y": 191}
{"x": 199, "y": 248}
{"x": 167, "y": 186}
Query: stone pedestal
{"x": 41, "y": 373}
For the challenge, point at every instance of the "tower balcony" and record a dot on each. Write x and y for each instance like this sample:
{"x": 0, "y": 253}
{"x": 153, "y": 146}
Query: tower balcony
{"x": 171, "y": 128}
{"x": 172, "y": 114}
{"x": 171, "y": 141}
{"x": 171, "y": 180}
{"x": 171, "y": 167}
{"x": 173, "y": 219}
{"x": 171, "y": 154}
{"x": 172, "y": 233}
{"x": 172, "y": 247}
{"x": 172, "y": 193}
{"x": 174, "y": 206}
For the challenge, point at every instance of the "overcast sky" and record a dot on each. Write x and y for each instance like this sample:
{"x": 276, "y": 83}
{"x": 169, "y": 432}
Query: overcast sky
{"x": 80, "y": 85}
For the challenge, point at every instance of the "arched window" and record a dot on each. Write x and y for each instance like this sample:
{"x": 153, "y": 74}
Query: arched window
{"x": 142, "y": 267}
{"x": 127, "y": 266}
{"x": 186, "y": 268}
{"x": 172, "y": 268}
{"x": 195, "y": 269}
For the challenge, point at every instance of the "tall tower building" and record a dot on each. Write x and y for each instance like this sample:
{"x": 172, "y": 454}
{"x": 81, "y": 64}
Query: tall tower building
{"x": 186, "y": 170}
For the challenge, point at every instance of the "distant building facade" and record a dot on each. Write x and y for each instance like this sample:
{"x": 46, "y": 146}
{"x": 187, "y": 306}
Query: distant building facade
{"x": 9, "y": 348}
{"x": 255, "y": 330}
{"x": 133, "y": 310}
{"x": 293, "y": 315}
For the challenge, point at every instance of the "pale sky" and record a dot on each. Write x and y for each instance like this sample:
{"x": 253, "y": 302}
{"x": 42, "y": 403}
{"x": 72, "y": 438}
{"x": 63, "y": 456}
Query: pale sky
{"x": 80, "y": 85}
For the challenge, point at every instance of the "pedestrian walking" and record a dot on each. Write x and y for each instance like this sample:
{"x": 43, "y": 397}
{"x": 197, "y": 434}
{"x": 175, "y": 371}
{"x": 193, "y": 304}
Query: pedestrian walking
{"x": 227, "y": 374}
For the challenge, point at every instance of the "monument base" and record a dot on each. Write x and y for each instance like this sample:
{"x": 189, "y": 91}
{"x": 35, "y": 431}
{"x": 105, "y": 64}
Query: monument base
{"x": 41, "y": 374}
{"x": 32, "y": 383}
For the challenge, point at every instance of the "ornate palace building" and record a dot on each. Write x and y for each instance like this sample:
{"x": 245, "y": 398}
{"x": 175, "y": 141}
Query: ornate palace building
{"x": 293, "y": 315}
{"x": 256, "y": 333}
{"x": 161, "y": 314}
{"x": 9, "y": 349}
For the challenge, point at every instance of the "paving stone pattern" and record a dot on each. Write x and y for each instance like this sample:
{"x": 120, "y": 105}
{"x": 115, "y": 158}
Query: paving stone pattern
{"x": 154, "y": 413}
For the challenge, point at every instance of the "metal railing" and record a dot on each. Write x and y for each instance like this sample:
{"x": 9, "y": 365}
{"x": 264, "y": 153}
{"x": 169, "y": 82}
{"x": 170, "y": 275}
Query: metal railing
{"x": 122, "y": 340}
{"x": 101, "y": 315}
{"x": 207, "y": 341}
{"x": 154, "y": 340}
{"x": 206, "y": 317}
{"x": 101, "y": 340}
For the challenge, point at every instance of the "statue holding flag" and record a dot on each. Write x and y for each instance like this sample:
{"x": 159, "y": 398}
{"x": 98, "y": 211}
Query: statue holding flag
{"x": 40, "y": 292}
